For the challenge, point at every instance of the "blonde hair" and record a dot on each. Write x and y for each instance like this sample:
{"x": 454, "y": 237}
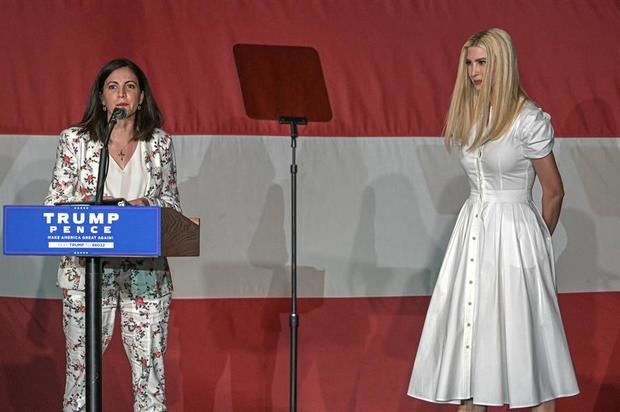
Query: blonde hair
{"x": 470, "y": 110}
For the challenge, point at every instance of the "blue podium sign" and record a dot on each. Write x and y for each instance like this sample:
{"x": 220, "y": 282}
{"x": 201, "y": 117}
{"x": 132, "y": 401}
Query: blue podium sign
{"x": 82, "y": 230}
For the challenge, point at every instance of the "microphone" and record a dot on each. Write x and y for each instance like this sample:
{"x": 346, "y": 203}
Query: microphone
{"x": 118, "y": 113}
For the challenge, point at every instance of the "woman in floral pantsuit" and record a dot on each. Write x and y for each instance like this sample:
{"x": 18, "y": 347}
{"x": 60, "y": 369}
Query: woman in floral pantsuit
{"x": 142, "y": 169}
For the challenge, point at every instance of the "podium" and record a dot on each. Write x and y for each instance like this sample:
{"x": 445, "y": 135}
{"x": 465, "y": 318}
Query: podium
{"x": 95, "y": 231}
{"x": 87, "y": 230}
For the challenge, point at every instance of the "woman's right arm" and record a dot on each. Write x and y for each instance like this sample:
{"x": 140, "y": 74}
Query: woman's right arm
{"x": 65, "y": 174}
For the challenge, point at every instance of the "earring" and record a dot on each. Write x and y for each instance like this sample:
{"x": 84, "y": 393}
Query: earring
{"x": 140, "y": 107}
{"x": 104, "y": 108}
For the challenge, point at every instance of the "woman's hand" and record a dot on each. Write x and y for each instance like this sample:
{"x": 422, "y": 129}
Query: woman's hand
{"x": 139, "y": 202}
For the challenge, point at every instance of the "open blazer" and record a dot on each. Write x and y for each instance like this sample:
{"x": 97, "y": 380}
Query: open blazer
{"x": 75, "y": 178}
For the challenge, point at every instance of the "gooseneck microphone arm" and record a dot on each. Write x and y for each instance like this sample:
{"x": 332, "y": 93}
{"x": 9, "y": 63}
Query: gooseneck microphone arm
{"x": 117, "y": 114}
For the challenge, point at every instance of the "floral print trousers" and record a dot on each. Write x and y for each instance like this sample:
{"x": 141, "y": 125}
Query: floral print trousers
{"x": 144, "y": 330}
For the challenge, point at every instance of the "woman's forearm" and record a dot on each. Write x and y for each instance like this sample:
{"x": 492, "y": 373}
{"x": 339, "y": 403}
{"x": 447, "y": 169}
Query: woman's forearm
{"x": 551, "y": 207}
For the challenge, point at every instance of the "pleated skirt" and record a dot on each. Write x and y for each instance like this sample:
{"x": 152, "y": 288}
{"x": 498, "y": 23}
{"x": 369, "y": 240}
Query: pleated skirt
{"x": 493, "y": 331}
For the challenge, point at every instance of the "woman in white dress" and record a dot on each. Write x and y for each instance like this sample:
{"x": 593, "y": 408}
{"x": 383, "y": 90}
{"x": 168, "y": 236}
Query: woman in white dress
{"x": 493, "y": 334}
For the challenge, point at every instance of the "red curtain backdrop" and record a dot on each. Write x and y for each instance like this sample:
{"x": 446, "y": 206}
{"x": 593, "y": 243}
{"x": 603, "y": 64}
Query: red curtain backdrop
{"x": 389, "y": 68}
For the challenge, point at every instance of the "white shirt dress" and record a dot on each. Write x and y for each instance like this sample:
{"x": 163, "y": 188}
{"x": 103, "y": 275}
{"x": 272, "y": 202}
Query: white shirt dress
{"x": 493, "y": 330}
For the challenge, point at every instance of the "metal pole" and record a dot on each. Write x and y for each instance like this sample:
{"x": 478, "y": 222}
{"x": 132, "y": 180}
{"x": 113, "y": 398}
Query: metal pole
{"x": 294, "y": 318}
{"x": 93, "y": 334}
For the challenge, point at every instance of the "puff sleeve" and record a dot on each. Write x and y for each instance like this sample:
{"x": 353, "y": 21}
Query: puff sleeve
{"x": 536, "y": 134}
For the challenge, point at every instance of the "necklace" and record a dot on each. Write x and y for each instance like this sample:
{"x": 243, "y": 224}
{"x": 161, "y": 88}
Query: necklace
{"x": 122, "y": 153}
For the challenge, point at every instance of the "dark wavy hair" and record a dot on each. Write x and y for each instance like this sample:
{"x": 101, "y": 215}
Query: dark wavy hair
{"x": 94, "y": 120}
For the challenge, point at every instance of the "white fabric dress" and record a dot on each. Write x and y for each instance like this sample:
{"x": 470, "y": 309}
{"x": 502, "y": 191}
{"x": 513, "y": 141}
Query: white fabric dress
{"x": 493, "y": 330}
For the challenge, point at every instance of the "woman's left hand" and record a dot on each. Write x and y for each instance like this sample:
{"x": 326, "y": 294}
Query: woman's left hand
{"x": 139, "y": 202}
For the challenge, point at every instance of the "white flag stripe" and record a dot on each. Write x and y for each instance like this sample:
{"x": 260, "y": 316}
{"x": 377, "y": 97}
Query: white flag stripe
{"x": 374, "y": 214}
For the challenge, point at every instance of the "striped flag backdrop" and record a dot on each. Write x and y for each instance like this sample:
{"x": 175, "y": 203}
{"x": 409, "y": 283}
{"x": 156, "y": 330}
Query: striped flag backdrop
{"x": 378, "y": 194}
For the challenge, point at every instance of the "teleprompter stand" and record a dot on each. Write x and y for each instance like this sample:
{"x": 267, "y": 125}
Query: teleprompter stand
{"x": 285, "y": 84}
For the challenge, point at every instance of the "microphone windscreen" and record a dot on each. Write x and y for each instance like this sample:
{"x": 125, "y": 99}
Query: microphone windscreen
{"x": 119, "y": 113}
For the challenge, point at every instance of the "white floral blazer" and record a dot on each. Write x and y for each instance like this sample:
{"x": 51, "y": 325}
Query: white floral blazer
{"x": 74, "y": 179}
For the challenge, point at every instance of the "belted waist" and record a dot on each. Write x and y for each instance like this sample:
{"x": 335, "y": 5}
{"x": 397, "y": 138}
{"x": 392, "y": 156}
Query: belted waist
{"x": 501, "y": 196}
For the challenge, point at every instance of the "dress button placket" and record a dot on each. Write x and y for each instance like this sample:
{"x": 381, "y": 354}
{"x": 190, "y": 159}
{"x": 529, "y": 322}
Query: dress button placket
{"x": 472, "y": 270}
{"x": 470, "y": 295}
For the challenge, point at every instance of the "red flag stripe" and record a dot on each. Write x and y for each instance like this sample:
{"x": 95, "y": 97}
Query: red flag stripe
{"x": 389, "y": 66}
